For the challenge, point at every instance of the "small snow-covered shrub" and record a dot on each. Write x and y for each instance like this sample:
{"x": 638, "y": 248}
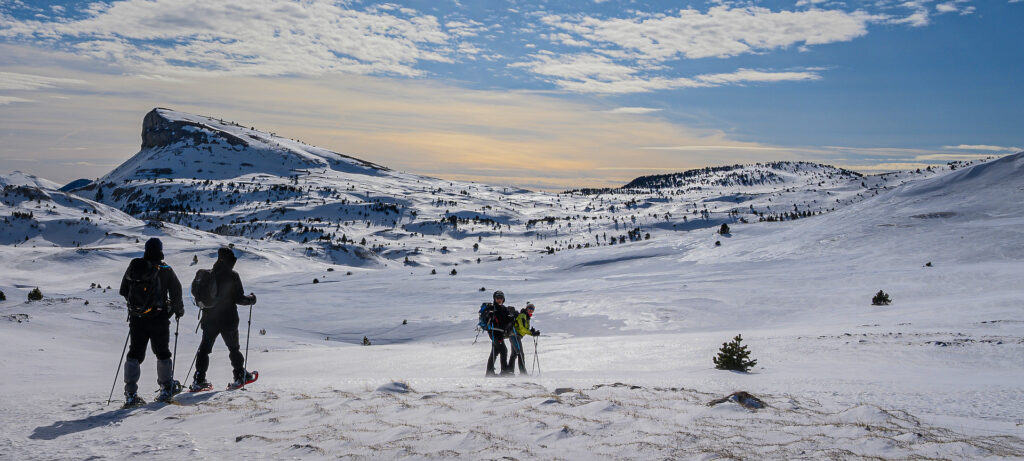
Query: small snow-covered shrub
{"x": 734, "y": 356}
{"x": 35, "y": 294}
{"x": 454, "y": 272}
{"x": 881, "y": 299}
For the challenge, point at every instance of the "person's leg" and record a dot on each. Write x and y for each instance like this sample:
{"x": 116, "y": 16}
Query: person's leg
{"x": 203, "y": 354}
{"x": 503, "y": 353}
{"x": 138, "y": 337}
{"x": 494, "y": 353}
{"x": 230, "y": 336}
{"x": 521, "y": 355}
{"x": 159, "y": 339}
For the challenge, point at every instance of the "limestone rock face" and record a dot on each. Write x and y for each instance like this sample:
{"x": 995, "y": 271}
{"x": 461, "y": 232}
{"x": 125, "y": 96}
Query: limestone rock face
{"x": 159, "y": 131}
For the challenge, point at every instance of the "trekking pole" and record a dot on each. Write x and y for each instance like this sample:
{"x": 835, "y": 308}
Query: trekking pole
{"x": 245, "y": 364}
{"x": 119, "y": 361}
{"x": 174, "y": 356}
{"x": 536, "y": 358}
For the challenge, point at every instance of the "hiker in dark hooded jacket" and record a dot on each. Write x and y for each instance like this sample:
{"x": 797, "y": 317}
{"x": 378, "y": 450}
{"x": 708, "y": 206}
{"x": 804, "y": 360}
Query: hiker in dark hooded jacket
{"x": 153, "y": 293}
{"x": 222, "y": 320}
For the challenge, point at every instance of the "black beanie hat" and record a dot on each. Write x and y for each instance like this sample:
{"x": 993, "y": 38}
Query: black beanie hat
{"x": 225, "y": 254}
{"x": 154, "y": 250}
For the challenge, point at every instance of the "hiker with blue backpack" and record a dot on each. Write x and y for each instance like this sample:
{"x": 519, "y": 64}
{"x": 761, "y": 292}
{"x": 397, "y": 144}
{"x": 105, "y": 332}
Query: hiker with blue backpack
{"x": 497, "y": 320}
{"x": 153, "y": 294}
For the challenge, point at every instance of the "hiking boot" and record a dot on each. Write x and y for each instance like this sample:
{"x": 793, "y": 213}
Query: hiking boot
{"x": 166, "y": 394}
{"x": 200, "y": 385}
{"x": 132, "y": 400}
{"x": 241, "y": 379}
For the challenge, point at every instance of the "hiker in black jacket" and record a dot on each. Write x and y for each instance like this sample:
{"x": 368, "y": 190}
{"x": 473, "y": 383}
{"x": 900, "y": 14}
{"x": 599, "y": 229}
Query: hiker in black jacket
{"x": 499, "y": 320}
{"x": 222, "y": 320}
{"x": 153, "y": 293}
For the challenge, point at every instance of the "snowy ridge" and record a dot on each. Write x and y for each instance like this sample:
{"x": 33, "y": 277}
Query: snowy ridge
{"x": 219, "y": 177}
{"x": 747, "y": 176}
{"x": 176, "y": 144}
{"x": 18, "y": 178}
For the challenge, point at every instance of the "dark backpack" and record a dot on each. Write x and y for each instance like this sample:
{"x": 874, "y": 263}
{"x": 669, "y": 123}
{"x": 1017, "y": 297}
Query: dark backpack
{"x": 204, "y": 289}
{"x": 144, "y": 289}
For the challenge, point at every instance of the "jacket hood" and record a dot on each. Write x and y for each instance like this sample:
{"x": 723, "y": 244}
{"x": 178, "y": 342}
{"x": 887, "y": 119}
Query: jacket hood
{"x": 154, "y": 250}
{"x": 225, "y": 259}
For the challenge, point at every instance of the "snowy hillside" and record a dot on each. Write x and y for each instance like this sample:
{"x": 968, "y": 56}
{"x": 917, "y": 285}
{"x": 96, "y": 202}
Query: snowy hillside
{"x": 747, "y": 176}
{"x": 227, "y": 179}
{"x": 629, "y": 329}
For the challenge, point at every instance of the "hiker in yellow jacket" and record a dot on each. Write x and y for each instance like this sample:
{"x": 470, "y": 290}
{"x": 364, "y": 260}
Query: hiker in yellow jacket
{"x": 521, "y": 328}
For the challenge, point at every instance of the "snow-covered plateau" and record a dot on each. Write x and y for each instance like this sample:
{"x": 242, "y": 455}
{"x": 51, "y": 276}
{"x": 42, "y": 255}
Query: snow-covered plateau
{"x": 635, "y": 288}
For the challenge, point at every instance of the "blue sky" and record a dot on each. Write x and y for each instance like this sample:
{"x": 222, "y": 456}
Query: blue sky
{"x": 539, "y": 94}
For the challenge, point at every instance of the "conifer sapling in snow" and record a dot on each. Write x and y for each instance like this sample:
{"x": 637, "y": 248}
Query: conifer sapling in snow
{"x": 733, "y": 356}
{"x": 881, "y": 299}
{"x": 35, "y": 294}
{"x": 3, "y": 297}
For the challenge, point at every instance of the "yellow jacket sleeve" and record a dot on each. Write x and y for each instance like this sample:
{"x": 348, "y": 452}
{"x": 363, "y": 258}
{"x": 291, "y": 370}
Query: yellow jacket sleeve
{"x": 523, "y": 325}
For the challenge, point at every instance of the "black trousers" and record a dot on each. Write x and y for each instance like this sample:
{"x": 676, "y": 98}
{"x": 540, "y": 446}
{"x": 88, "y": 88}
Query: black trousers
{"x": 497, "y": 349}
{"x": 154, "y": 330}
{"x": 517, "y": 353}
{"x": 227, "y": 329}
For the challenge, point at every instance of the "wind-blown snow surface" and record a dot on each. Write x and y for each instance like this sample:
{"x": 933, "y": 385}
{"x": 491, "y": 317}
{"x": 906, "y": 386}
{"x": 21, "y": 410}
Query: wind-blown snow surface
{"x": 629, "y": 333}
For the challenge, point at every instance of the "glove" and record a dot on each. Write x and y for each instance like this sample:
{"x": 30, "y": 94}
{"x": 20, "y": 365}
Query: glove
{"x": 534, "y": 332}
{"x": 252, "y": 299}
{"x": 179, "y": 311}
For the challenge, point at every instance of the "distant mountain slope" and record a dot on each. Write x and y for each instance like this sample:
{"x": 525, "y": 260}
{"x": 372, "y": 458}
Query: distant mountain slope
{"x": 758, "y": 176}
{"x": 974, "y": 213}
{"x": 18, "y": 178}
{"x": 180, "y": 145}
{"x": 221, "y": 177}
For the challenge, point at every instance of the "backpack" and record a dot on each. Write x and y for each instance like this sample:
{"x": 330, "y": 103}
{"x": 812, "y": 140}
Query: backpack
{"x": 144, "y": 289}
{"x": 486, "y": 313}
{"x": 204, "y": 289}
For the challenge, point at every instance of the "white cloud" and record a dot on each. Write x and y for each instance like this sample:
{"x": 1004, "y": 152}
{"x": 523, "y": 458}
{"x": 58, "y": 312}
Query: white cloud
{"x": 632, "y": 110}
{"x": 4, "y": 100}
{"x": 722, "y": 31}
{"x": 949, "y": 7}
{"x": 748, "y": 75}
{"x": 248, "y": 37}
{"x": 919, "y": 15}
{"x": 983, "y": 147}
{"x": 591, "y": 73}
{"x": 27, "y": 82}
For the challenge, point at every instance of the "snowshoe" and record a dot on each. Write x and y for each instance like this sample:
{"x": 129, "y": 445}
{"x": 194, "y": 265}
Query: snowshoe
{"x": 200, "y": 386}
{"x": 132, "y": 400}
{"x": 242, "y": 381}
{"x": 168, "y": 392}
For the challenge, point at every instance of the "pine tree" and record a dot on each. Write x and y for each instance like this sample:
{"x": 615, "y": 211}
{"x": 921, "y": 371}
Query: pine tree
{"x": 881, "y": 299}
{"x": 35, "y": 294}
{"x": 3, "y": 297}
{"x": 733, "y": 356}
